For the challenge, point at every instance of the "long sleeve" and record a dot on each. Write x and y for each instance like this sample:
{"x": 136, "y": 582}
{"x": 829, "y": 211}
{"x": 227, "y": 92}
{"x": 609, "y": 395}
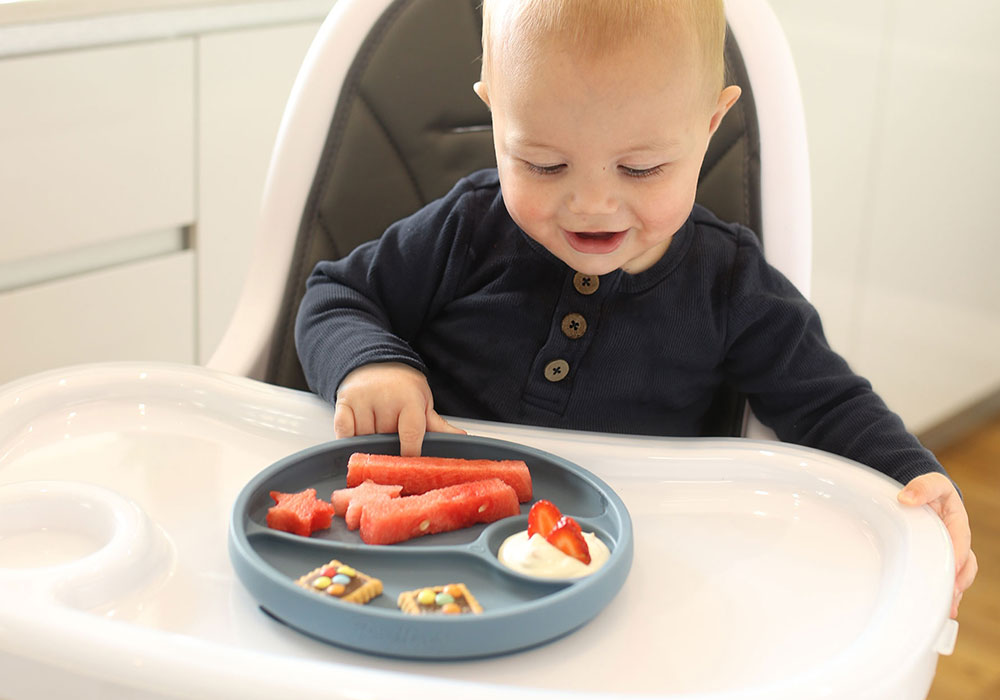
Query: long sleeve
{"x": 368, "y": 306}
{"x": 779, "y": 356}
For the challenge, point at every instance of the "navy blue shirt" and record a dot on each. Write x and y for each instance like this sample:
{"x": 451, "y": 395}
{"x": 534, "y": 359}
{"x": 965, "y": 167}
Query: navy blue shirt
{"x": 505, "y": 331}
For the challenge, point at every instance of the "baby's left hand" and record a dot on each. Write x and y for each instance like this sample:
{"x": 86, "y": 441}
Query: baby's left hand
{"x": 937, "y": 491}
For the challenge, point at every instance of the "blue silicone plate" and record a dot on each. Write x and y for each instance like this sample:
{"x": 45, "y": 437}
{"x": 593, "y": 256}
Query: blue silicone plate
{"x": 519, "y": 611}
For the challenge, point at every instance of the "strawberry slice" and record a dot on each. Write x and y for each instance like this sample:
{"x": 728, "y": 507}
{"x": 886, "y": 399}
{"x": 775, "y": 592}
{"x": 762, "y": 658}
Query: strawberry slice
{"x": 568, "y": 537}
{"x": 542, "y": 518}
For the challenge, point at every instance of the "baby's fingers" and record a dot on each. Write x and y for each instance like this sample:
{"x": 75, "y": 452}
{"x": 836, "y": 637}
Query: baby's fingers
{"x": 968, "y": 572}
{"x": 343, "y": 420}
{"x": 926, "y": 489}
{"x": 411, "y": 426}
{"x": 350, "y": 419}
{"x": 966, "y": 575}
{"x": 937, "y": 491}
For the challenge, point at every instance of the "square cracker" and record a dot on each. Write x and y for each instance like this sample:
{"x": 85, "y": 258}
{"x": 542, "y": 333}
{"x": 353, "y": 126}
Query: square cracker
{"x": 467, "y": 602}
{"x": 361, "y": 589}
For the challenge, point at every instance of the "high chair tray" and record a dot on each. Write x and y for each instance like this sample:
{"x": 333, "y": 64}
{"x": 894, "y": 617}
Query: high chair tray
{"x": 518, "y": 611}
{"x": 761, "y": 570}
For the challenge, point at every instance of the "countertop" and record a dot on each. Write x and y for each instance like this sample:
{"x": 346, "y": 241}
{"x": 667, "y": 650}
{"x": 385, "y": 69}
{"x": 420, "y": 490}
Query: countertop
{"x": 41, "y": 26}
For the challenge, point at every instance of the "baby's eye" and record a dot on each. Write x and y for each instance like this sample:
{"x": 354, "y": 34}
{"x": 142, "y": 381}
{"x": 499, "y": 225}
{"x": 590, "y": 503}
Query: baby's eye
{"x": 545, "y": 169}
{"x": 641, "y": 172}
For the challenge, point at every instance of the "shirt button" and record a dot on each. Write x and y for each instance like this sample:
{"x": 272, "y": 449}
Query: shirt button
{"x": 586, "y": 284}
{"x": 574, "y": 325}
{"x": 557, "y": 370}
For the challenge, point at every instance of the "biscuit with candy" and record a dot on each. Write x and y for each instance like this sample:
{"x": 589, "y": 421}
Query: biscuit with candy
{"x": 449, "y": 599}
{"x": 339, "y": 580}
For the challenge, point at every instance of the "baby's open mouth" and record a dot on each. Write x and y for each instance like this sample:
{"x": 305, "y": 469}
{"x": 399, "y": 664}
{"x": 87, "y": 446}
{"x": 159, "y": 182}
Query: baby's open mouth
{"x": 595, "y": 242}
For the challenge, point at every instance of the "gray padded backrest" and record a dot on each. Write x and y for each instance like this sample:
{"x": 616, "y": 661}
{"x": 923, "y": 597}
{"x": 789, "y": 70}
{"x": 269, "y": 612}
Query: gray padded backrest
{"x": 407, "y": 126}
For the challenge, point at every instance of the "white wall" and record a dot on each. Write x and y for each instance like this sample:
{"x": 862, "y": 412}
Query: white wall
{"x": 901, "y": 100}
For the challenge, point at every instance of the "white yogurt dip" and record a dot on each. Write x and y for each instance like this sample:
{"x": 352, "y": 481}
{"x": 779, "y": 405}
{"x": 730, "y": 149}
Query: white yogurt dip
{"x": 537, "y": 557}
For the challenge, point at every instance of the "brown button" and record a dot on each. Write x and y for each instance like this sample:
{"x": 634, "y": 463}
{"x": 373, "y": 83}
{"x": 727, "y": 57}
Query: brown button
{"x": 574, "y": 325}
{"x": 557, "y": 370}
{"x": 586, "y": 284}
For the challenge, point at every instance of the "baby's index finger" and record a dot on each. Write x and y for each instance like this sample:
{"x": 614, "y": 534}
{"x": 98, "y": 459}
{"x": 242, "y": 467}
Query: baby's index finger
{"x": 411, "y": 426}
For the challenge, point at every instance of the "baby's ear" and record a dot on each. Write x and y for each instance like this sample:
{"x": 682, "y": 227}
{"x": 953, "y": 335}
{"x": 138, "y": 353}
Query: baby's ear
{"x": 480, "y": 89}
{"x": 727, "y": 98}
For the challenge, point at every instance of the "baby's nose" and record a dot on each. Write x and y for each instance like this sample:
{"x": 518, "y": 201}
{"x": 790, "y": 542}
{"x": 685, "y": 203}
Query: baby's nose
{"x": 592, "y": 196}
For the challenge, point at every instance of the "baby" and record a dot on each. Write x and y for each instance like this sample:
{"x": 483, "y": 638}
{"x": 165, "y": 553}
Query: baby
{"x": 578, "y": 285}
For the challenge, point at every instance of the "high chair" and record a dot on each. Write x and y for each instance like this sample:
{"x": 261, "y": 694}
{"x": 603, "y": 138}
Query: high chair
{"x": 382, "y": 119}
{"x": 135, "y": 556}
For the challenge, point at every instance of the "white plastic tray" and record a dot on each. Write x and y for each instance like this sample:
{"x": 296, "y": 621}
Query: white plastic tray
{"x": 760, "y": 570}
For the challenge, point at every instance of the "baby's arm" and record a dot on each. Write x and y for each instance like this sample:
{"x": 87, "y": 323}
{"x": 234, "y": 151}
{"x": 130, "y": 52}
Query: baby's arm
{"x": 372, "y": 306}
{"x": 797, "y": 385}
{"x": 388, "y": 397}
{"x": 938, "y": 492}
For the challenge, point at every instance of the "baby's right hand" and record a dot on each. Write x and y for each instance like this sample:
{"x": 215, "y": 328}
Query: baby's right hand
{"x": 388, "y": 397}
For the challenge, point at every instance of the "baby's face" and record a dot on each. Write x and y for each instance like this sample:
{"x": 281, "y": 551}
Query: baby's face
{"x": 599, "y": 159}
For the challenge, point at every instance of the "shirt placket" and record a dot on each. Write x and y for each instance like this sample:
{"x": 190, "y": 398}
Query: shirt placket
{"x": 555, "y": 370}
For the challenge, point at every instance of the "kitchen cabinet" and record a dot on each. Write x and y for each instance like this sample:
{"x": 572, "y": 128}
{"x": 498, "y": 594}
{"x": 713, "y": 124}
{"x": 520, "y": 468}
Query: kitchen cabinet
{"x": 130, "y": 178}
{"x": 139, "y": 310}
{"x": 97, "y": 187}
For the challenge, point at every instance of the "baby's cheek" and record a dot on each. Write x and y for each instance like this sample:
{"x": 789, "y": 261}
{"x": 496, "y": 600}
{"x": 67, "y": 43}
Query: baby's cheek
{"x": 527, "y": 208}
{"x": 668, "y": 212}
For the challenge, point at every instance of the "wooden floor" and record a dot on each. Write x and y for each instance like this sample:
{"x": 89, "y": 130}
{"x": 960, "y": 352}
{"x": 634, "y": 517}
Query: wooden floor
{"x": 973, "y": 671}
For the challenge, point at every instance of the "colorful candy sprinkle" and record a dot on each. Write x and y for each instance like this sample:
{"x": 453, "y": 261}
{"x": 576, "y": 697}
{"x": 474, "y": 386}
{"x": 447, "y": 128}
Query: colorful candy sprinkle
{"x": 426, "y": 597}
{"x": 321, "y": 582}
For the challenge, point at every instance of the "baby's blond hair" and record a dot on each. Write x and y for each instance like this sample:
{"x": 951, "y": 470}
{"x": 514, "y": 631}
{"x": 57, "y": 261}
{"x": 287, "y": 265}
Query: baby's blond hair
{"x": 598, "y": 26}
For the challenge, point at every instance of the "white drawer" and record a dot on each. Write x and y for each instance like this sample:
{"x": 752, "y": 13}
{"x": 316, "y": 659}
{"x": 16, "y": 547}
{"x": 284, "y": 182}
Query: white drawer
{"x": 96, "y": 145}
{"x": 140, "y": 311}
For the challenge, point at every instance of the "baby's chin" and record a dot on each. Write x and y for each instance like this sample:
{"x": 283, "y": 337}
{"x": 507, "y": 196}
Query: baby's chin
{"x": 591, "y": 264}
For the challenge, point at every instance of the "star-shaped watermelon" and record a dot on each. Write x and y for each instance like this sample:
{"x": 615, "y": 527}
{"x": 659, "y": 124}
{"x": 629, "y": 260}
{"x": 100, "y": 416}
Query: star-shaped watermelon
{"x": 299, "y": 513}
